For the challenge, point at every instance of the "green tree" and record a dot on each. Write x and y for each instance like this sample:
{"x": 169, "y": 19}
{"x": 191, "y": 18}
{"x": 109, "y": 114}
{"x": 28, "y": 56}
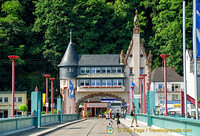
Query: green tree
{"x": 23, "y": 108}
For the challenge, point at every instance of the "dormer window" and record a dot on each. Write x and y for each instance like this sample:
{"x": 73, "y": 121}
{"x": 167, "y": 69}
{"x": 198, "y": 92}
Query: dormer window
{"x": 69, "y": 69}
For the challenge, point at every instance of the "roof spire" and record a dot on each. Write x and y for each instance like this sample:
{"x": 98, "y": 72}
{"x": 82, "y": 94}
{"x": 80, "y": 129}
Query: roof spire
{"x": 70, "y": 36}
{"x": 136, "y": 19}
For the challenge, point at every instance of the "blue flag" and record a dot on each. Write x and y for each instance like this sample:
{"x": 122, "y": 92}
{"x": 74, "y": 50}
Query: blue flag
{"x": 71, "y": 87}
{"x": 198, "y": 27}
{"x": 132, "y": 84}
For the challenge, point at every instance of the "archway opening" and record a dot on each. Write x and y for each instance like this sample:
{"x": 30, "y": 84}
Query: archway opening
{"x": 99, "y": 104}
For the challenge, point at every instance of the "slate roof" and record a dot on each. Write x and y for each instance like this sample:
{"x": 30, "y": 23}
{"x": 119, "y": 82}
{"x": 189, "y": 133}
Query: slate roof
{"x": 117, "y": 75}
{"x": 99, "y": 60}
{"x": 157, "y": 75}
{"x": 70, "y": 57}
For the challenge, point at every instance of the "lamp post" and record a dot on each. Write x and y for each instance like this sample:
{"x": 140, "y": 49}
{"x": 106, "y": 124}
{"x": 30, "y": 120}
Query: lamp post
{"x": 65, "y": 100}
{"x": 13, "y": 58}
{"x": 140, "y": 78}
{"x": 51, "y": 94}
{"x": 132, "y": 87}
{"x": 144, "y": 94}
{"x": 47, "y": 104}
{"x": 127, "y": 102}
{"x": 165, "y": 57}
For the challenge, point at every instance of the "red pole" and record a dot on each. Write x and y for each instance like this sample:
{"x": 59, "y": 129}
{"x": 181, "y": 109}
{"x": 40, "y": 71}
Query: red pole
{"x": 141, "y": 96}
{"x": 165, "y": 87}
{"x": 144, "y": 94}
{"x": 127, "y": 102}
{"x": 132, "y": 96}
{"x": 13, "y": 58}
{"x": 52, "y": 94}
{"x": 140, "y": 78}
{"x": 13, "y": 88}
{"x": 65, "y": 100}
{"x": 165, "y": 56}
{"x": 46, "y": 104}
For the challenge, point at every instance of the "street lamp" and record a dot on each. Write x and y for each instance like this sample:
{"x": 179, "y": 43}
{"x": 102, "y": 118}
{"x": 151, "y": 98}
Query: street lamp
{"x": 144, "y": 95}
{"x": 140, "y": 78}
{"x": 47, "y": 104}
{"x": 65, "y": 100}
{"x": 13, "y": 58}
{"x": 127, "y": 104}
{"x": 132, "y": 87}
{"x": 165, "y": 57}
{"x": 51, "y": 94}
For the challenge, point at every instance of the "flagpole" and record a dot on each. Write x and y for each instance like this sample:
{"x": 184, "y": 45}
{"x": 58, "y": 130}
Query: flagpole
{"x": 195, "y": 58}
{"x": 184, "y": 62}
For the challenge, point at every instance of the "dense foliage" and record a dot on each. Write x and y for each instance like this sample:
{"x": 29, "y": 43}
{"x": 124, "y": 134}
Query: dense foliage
{"x": 38, "y": 31}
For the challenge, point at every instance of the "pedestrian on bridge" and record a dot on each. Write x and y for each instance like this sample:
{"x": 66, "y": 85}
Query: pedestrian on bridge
{"x": 133, "y": 117}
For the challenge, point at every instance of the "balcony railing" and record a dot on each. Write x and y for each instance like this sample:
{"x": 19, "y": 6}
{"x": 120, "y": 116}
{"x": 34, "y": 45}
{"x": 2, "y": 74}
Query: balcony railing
{"x": 160, "y": 90}
{"x": 101, "y": 89}
{"x": 101, "y": 86}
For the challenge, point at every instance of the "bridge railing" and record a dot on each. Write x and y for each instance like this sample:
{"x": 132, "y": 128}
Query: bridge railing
{"x": 49, "y": 119}
{"x": 11, "y": 124}
{"x": 187, "y": 127}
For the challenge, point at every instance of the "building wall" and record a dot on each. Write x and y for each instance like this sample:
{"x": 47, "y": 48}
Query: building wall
{"x": 8, "y": 105}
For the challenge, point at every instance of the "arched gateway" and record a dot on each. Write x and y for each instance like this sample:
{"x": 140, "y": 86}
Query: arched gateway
{"x": 83, "y": 76}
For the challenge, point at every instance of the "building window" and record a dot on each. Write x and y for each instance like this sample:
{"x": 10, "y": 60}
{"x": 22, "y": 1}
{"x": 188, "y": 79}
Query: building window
{"x": 114, "y": 70}
{"x": 93, "y": 70}
{"x": 108, "y": 69}
{"x": 175, "y": 97}
{"x": 106, "y": 82}
{"x": 103, "y": 69}
{"x": 85, "y": 70}
{"x": 69, "y": 69}
{"x": 175, "y": 87}
{"x": 1, "y": 99}
{"x": 160, "y": 87}
{"x": 98, "y": 82}
{"x": 130, "y": 71}
{"x": 85, "y": 82}
{"x": 92, "y": 82}
{"x": 141, "y": 71}
{"x": 5, "y": 99}
{"x": 115, "y": 82}
{"x": 15, "y": 99}
{"x": 95, "y": 82}
{"x": 98, "y": 70}
{"x": 19, "y": 99}
{"x": 120, "y": 82}
{"x": 161, "y": 96}
{"x": 119, "y": 70}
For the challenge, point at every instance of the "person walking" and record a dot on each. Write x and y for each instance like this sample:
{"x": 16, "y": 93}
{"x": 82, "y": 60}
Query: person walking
{"x": 125, "y": 114}
{"x": 118, "y": 116}
{"x": 133, "y": 117}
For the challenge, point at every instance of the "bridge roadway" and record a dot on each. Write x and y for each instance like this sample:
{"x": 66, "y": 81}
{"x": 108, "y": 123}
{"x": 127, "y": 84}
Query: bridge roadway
{"x": 88, "y": 127}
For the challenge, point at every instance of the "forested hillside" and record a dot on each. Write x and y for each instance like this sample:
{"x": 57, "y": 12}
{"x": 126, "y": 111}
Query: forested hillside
{"x": 38, "y": 32}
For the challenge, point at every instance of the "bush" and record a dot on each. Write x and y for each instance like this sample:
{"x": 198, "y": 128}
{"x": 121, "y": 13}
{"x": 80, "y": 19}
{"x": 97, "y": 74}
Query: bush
{"x": 43, "y": 112}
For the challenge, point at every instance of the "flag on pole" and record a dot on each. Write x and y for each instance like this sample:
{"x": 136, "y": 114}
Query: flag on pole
{"x": 71, "y": 88}
{"x": 198, "y": 27}
{"x": 132, "y": 84}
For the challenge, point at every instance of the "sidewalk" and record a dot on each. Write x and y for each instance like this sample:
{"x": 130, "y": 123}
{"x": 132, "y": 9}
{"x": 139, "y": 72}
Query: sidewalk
{"x": 44, "y": 130}
{"x": 144, "y": 130}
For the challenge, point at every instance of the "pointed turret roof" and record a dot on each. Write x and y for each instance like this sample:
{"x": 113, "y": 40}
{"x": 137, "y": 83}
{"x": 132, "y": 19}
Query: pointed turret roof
{"x": 70, "y": 57}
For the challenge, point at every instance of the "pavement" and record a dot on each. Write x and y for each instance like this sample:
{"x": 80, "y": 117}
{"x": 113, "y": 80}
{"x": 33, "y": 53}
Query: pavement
{"x": 144, "y": 130}
{"x": 94, "y": 127}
